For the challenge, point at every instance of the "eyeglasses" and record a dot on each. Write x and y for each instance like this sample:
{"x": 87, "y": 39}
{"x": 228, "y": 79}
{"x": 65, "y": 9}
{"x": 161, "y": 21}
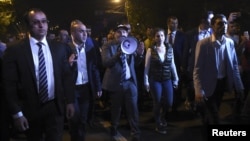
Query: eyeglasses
{"x": 37, "y": 22}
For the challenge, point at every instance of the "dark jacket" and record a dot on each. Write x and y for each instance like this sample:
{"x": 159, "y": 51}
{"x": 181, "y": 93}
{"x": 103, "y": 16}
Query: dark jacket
{"x": 92, "y": 66}
{"x": 112, "y": 62}
{"x": 20, "y": 80}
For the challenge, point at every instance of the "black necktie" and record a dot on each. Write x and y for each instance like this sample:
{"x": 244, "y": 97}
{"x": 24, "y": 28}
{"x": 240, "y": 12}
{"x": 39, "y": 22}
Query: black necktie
{"x": 170, "y": 41}
{"x": 123, "y": 59}
{"x": 81, "y": 46}
{"x": 43, "y": 84}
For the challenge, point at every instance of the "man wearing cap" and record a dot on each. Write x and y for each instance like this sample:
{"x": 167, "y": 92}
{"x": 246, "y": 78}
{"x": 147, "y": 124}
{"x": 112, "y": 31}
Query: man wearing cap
{"x": 122, "y": 91}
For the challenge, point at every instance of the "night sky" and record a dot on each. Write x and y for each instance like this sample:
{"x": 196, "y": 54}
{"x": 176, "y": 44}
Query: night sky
{"x": 61, "y": 12}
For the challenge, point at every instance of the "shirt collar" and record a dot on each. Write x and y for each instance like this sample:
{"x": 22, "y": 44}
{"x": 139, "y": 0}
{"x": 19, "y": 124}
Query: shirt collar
{"x": 203, "y": 31}
{"x": 222, "y": 42}
{"x": 34, "y": 41}
{"x": 78, "y": 45}
{"x": 173, "y": 33}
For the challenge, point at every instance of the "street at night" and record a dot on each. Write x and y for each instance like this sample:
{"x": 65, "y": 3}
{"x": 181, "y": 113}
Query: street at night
{"x": 182, "y": 125}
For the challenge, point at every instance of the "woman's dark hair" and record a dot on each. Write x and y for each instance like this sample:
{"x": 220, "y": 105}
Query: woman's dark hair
{"x": 157, "y": 29}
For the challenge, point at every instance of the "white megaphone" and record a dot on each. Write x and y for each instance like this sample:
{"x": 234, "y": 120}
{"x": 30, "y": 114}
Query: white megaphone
{"x": 129, "y": 45}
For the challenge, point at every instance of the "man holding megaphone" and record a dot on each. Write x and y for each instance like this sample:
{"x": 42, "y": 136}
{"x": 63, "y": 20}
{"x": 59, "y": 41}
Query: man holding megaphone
{"x": 119, "y": 58}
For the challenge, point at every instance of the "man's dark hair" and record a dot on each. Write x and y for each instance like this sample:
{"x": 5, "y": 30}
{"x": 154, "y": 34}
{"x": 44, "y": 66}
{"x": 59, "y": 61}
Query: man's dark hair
{"x": 26, "y": 15}
{"x": 217, "y": 16}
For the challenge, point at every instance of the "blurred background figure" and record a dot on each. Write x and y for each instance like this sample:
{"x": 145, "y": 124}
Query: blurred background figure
{"x": 148, "y": 42}
{"x": 63, "y": 36}
{"x": 210, "y": 15}
{"x": 51, "y": 36}
{"x": 245, "y": 62}
{"x": 2, "y": 48}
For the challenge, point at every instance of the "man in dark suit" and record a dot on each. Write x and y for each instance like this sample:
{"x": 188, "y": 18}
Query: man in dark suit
{"x": 40, "y": 118}
{"x": 5, "y": 117}
{"x": 121, "y": 91}
{"x": 177, "y": 38}
{"x": 193, "y": 36}
{"x": 86, "y": 77}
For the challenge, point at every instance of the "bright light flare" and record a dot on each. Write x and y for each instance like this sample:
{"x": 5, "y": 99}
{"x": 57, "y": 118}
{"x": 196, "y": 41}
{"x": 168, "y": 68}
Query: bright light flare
{"x": 115, "y": 1}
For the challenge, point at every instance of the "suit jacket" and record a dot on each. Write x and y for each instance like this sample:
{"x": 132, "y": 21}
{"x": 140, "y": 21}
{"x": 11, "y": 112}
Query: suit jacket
{"x": 92, "y": 66}
{"x": 189, "y": 50}
{"x": 205, "y": 70}
{"x": 178, "y": 47}
{"x": 112, "y": 62}
{"x": 20, "y": 79}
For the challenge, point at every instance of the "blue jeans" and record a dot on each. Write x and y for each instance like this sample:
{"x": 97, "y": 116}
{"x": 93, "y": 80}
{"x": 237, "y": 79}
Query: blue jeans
{"x": 162, "y": 94}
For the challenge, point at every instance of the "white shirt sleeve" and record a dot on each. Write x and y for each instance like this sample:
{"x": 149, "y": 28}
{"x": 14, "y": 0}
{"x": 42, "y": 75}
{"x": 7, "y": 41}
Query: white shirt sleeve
{"x": 147, "y": 66}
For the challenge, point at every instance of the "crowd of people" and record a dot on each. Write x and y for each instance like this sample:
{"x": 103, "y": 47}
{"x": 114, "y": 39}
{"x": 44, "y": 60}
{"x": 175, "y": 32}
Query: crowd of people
{"x": 47, "y": 81}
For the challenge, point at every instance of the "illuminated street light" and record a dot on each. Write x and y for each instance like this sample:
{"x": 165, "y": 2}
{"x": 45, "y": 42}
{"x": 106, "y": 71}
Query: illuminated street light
{"x": 117, "y": 7}
{"x": 116, "y": 1}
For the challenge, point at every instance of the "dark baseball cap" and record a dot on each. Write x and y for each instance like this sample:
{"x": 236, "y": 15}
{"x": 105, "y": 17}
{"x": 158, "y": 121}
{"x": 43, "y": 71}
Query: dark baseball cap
{"x": 121, "y": 27}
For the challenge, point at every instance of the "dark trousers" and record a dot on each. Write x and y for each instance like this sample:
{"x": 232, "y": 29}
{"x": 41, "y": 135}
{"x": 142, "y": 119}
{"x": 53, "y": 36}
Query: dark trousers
{"x": 77, "y": 124}
{"x": 47, "y": 125}
{"x": 245, "y": 114}
{"x": 209, "y": 109}
{"x": 127, "y": 95}
{"x": 5, "y": 121}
